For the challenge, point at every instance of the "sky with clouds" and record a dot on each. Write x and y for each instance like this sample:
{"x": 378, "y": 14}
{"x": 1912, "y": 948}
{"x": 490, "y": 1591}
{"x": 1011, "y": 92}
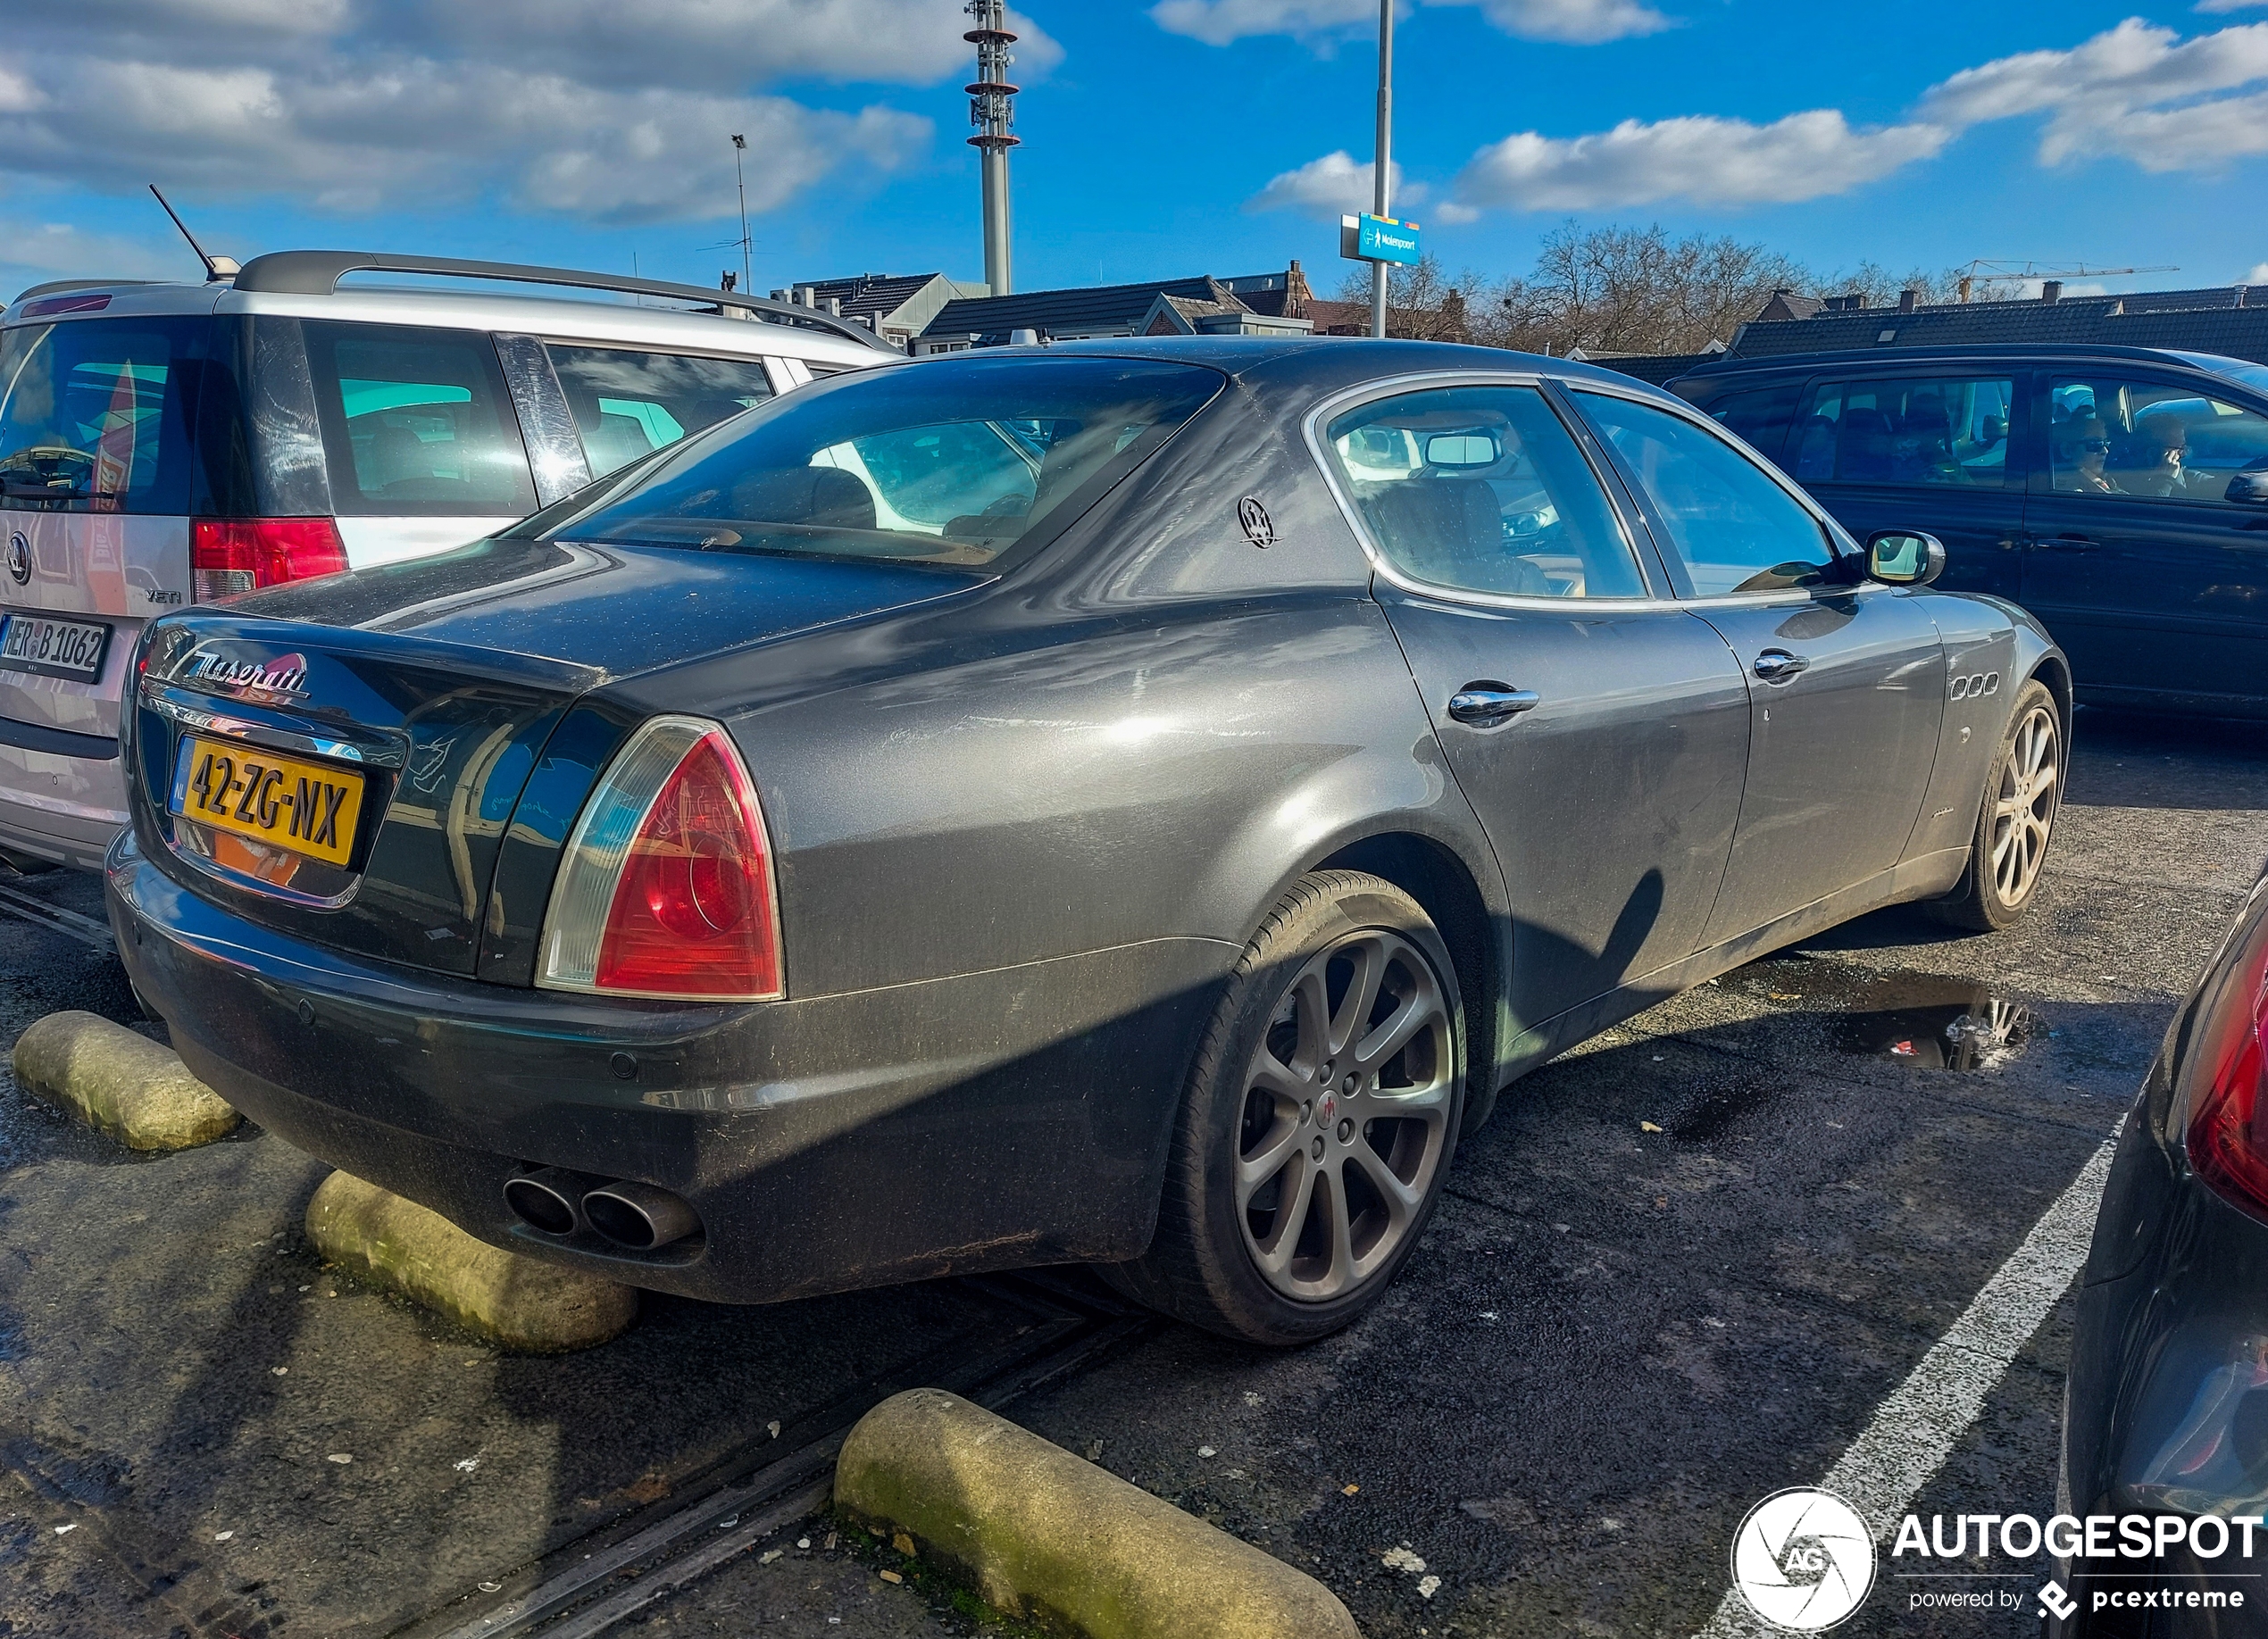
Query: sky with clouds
{"x": 1160, "y": 139}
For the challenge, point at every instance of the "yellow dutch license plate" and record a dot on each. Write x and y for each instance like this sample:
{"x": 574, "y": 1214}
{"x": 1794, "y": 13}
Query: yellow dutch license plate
{"x": 309, "y": 808}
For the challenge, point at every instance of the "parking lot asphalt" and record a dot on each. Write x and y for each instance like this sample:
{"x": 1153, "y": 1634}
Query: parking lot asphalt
{"x": 1680, "y": 1269}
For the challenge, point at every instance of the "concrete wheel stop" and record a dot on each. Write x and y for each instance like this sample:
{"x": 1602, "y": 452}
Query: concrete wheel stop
{"x": 517, "y": 1304}
{"x": 1060, "y": 1541}
{"x": 119, "y": 1083}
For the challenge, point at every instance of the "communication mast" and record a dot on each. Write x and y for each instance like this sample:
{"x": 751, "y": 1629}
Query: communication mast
{"x": 1984, "y": 271}
{"x": 993, "y": 112}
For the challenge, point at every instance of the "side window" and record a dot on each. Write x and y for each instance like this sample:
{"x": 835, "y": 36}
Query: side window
{"x": 2119, "y": 436}
{"x": 1737, "y": 529}
{"x": 1947, "y": 430}
{"x": 416, "y": 423}
{"x": 629, "y": 403}
{"x": 1761, "y": 415}
{"x": 1481, "y": 489}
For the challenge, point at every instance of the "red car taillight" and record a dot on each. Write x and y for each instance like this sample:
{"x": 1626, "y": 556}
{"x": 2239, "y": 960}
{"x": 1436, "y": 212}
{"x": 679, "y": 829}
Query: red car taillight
{"x": 229, "y": 555}
{"x": 2227, "y": 1132}
{"x": 667, "y": 886}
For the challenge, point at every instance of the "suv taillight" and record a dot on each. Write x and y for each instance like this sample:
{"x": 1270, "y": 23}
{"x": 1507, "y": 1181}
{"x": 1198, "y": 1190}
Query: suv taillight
{"x": 229, "y": 555}
{"x": 2227, "y": 1132}
{"x": 666, "y": 888}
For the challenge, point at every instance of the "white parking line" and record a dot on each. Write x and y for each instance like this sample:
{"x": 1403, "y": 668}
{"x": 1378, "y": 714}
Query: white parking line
{"x": 1884, "y": 1469}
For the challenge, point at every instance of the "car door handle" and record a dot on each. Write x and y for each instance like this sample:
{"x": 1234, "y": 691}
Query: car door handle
{"x": 1777, "y": 665}
{"x": 1484, "y": 705}
{"x": 2068, "y": 543}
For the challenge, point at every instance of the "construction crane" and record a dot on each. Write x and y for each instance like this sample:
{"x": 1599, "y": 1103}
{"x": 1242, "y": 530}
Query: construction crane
{"x": 1991, "y": 271}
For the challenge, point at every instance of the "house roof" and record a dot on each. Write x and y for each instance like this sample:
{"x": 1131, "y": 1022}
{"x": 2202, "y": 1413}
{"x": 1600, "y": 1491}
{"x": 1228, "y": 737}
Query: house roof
{"x": 871, "y": 294}
{"x": 1065, "y": 312}
{"x": 1656, "y": 368}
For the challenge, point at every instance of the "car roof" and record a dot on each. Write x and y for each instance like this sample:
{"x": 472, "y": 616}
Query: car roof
{"x": 1327, "y": 364}
{"x": 625, "y": 317}
{"x": 1901, "y": 358}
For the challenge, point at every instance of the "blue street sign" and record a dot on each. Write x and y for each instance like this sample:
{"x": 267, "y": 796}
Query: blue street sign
{"x": 1378, "y": 238}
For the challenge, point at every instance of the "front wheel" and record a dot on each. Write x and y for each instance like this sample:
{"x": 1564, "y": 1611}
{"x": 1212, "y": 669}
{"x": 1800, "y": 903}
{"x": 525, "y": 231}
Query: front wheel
{"x": 1317, "y": 1122}
{"x": 2023, "y": 791}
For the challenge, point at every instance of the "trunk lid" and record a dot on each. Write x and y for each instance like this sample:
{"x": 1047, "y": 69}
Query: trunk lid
{"x": 417, "y": 701}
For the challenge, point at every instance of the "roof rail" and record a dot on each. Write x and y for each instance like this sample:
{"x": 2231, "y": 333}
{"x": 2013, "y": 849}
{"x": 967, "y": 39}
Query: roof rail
{"x": 318, "y": 273}
{"x": 53, "y": 285}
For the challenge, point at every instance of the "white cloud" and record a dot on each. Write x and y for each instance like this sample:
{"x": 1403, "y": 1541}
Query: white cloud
{"x": 2258, "y": 276}
{"x": 587, "y": 108}
{"x": 2137, "y": 92}
{"x": 1575, "y": 22}
{"x": 2228, "y": 6}
{"x": 710, "y": 43}
{"x": 1700, "y": 158}
{"x": 32, "y": 253}
{"x": 2133, "y": 90}
{"x": 1323, "y": 22}
{"x": 1331, "y": 187}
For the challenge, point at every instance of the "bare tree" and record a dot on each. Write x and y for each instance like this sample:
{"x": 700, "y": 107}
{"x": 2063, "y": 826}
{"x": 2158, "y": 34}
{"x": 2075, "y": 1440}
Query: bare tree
{"x": 1633, "y": 290}
{"x": 1422, "y": 302}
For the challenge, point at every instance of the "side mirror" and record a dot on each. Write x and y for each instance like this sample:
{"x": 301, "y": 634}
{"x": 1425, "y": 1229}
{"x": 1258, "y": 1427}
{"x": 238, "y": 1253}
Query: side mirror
{"x": 1904, "y": 557}
{"x": 2248, "y": 487}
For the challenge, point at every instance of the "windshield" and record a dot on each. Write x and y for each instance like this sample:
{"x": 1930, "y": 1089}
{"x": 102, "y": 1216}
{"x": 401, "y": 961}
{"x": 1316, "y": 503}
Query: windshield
{"x": 950, "y": 463}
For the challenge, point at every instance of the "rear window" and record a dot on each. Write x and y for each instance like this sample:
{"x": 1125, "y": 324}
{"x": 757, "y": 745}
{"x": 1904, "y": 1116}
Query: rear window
{"x": 957, "y": 461}
{"x": 416, "y": 423}
{"x": 91, "y": 415}
{"x": 630, "y": 404}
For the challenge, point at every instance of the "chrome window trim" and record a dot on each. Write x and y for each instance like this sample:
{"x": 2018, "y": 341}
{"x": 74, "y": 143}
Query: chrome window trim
{"x": 1393, "y": 387}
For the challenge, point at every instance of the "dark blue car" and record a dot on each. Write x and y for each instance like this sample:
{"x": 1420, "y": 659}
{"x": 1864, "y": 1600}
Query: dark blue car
{"x": 2120, "y": 494}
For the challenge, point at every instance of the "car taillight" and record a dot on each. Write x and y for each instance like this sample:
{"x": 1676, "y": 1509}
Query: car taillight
{"x": 2228, "y": 1133}
{"x": 666, "y": 888}
{"x": 229, "y": 555}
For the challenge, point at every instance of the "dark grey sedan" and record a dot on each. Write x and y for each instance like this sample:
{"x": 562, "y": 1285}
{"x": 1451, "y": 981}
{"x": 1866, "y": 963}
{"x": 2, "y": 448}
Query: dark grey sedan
{"x": 1133, "y": 804}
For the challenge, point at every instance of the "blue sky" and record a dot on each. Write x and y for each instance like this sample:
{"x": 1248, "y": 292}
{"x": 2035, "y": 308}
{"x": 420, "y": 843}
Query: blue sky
{"x": 1187, "y": 136}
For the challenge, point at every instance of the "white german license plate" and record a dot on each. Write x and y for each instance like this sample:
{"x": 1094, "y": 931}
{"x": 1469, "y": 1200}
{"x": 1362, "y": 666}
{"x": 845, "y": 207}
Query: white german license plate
{"x": 50, "y": 648}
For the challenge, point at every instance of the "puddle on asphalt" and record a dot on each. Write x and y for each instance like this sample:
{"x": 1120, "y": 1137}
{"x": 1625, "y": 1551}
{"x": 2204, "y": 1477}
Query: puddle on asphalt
{"x": 1919, "y": 1020}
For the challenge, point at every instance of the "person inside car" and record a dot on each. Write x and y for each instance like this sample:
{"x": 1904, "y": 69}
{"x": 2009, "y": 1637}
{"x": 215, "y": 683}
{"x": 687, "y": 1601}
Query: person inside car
{"x": 2154, "y": 468}
{"x": 2082, "y": 444}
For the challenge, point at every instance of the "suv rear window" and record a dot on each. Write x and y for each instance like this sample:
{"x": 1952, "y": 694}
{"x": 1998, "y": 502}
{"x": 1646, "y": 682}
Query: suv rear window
{"x": 953, "y": 462}
{"x": 416, "y": 423}
{"x": 91, "y": 415}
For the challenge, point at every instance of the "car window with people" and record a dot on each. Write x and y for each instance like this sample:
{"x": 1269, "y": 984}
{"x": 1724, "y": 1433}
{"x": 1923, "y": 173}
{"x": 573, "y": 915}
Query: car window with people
{"x": 2113, "y": 434}
{"x": 1481, "y": 489}
{"x": 1907, "y": 431}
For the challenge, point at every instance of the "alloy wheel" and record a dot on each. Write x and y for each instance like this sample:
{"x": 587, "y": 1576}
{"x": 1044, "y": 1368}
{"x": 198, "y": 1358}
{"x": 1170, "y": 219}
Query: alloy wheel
{"x": 1345, "y": 1119}
{"x": 2024, "y": 806}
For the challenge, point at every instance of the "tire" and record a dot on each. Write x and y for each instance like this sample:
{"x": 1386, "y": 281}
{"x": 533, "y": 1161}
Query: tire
{"x": 2016, "y": 819}
{"x": 1273, "y": 1083}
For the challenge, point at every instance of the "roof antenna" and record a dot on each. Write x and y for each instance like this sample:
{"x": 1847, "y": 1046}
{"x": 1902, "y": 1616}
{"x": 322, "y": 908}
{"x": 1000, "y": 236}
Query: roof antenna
{"x": 215, "y": 267}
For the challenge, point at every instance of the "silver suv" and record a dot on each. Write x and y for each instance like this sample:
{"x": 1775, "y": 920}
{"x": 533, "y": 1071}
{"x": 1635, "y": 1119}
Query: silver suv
{"x": 164, "y": 444}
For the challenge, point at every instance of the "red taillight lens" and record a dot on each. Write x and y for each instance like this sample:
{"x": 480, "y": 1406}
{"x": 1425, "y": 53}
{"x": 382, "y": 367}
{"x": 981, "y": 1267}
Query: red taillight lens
{"x": 2228, "y": 1133}
{"x": 229, "y": 555}
{"x": 667, "y": 886}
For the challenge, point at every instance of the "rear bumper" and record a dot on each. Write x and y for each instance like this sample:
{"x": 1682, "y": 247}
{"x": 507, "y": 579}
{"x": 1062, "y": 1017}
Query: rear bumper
{"x": 2167, "y": 1414}
{"x": 990, "y": 1120}
{"x": 59, "y": 806}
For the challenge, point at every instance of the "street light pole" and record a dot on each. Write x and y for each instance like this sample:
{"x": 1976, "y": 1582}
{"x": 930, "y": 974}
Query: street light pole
{"x": 739, "y": 147}
{"x": 1384, "y": 167}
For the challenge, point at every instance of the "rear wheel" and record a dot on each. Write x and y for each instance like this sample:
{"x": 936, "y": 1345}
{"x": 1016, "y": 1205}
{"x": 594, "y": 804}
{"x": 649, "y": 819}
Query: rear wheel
{"x": 2023, "y": 790}
{"x": 1317, "y": 1122}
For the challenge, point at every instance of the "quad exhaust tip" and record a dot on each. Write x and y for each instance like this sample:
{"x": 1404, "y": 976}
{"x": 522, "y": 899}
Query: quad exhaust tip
{"x": 636, "y": 1217}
